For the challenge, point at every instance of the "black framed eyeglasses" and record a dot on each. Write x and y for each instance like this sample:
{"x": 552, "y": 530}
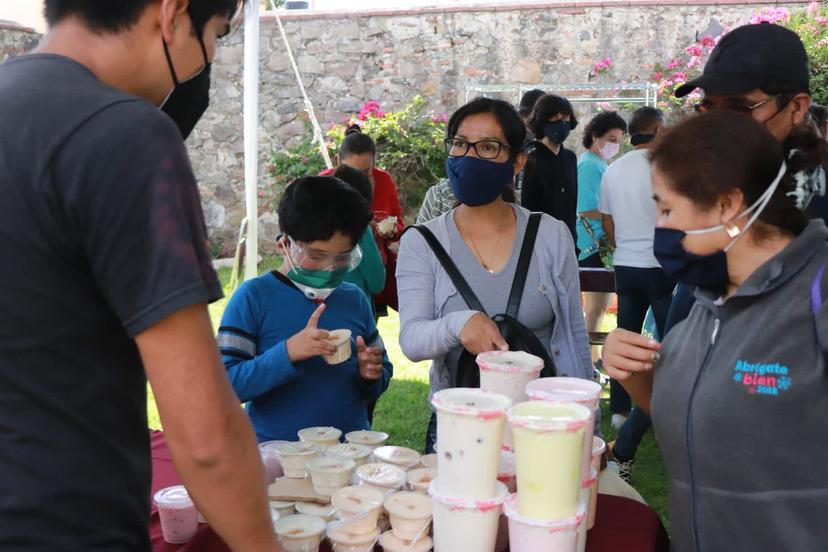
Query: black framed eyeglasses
{"x": 704, "y": 106}
{"x": 485, "y": 149}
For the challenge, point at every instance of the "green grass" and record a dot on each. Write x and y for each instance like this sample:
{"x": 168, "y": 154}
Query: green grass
{"x": 403, "y": 410}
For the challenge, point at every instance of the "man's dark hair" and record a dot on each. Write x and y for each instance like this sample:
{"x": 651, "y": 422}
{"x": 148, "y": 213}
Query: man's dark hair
{"x": 645, "y": 118}
{"x": 314, "y": 208}
{"x": 117, "y": 15}
{"x": 601, "y": 124}
{"x": 356, "y": 143}
{"x": 820, "y": 116}
{"x": 528, "y": 101}
{"x": 356, "y": 179}
{"x": 546, "y": 108}
{"x": 510, "y": 122}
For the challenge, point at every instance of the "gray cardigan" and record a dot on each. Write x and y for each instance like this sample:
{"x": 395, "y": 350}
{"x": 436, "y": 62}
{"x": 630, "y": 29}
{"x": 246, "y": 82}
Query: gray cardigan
{"x": 427, "y": 331}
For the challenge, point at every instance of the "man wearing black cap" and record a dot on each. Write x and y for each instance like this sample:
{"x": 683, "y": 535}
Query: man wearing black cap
{"x": 762, "y": 71}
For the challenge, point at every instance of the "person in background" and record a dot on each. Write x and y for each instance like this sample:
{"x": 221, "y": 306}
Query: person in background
{"x": 359, "y": 151}
{"x": 107, "y": 284}
{"x": 819, "y": 114}
{"x": 629, "y": 219}
{"x": 748, "y": 365}
{"x": 525, "y": 108}
{"x": 275, "y": 329}
{"x": 550, "y": 179}
{"x": 483, "y": 236}
{"x": 762, "y": 71}
{"x": 602, "y": 141}
{"x": 439, "y": 199}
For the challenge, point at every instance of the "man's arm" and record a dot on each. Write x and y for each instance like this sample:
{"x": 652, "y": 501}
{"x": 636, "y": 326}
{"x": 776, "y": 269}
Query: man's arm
{"x": 609, "y": 228}
{"x": 211, "y": 440}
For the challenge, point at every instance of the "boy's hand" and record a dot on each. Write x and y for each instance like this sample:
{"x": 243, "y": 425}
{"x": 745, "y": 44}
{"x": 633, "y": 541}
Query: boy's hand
{"x": 311, "y": 341}
{"x": 370, "y": 360}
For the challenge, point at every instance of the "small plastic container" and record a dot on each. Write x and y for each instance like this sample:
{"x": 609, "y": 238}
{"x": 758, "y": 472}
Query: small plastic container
{"x": 359, "y": 508}
{"x": 341, "y": 339}
{"x": 322, "y": 436}
{"x": 325, "y": 511}
{"x": 461, "y": 524}
{"x": 419, "y": 479}
{"x": 344, "y": 541}
{"x": 384, "y": 477}
{"x": 410, "y": 514}
{"x": 532, "y": 535}
{"x": 284, "y": 508}
{"x": 429, "y": 460}
{"x": 271, "y": 461}
{"x": 392, "y": 543}
{"x": 330, "y": 473}
{"x": 295, "y": 458}
{"x": 300, "y": 533}
{"x": 360, "y": 454}
{"x": 401, "y": 457}
{"x": 179, "y": 517}
{"x": 371, "y": 439}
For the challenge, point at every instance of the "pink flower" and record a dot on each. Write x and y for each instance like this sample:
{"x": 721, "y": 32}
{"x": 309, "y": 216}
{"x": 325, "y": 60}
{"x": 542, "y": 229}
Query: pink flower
{"x": 694, "y": 61}
{"x": 707, "y": 41}
{"x": 657, "y": 75}
{"x": 771, "y": 15}
{"x": 673, "y": 63}
{"x": 822, "y": 21}
{"x": 812, "y": 8}
{"x": 679, "y": 77}
{"x": 605, "y": 106}
{"x": 261, "y": 194}
{"x": 694, "y": 50}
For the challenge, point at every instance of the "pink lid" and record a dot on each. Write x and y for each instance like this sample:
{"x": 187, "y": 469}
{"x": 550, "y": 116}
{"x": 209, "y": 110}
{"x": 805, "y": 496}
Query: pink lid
{"x": 591, "y": 480}
{"x": 549, "y": 416}
{"x": 481, "y": 506}
{"x": 563, "y": 389}
{"x": 516, "y": 362}
{"x": 173, "y": 497}
{"x": 510, "y": 508}
{"x": 471, "y": 402}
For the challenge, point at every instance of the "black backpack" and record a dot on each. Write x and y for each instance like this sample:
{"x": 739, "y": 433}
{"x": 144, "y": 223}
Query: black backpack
{"x": 518, "y": 336}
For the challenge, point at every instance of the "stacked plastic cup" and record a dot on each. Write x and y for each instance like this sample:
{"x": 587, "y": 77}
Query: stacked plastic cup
{"x": 566, "y": 390}
{"x": 549, "y": 444}
{"x": 358, "y": 509}
{"x": 179, "y": 517}
{"x": 508, "y": 373}
{"x": 466, "y": 495}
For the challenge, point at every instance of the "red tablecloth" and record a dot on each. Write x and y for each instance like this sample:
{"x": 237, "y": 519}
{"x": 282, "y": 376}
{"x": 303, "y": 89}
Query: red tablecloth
{"x": 621, "y": 523}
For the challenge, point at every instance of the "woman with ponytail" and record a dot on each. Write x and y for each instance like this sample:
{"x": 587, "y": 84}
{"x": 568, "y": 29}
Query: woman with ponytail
{"x": 737, "y": 391}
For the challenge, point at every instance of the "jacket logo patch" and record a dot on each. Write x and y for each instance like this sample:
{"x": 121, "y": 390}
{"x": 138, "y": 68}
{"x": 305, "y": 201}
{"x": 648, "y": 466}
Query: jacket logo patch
{"x": 762, "y": 379}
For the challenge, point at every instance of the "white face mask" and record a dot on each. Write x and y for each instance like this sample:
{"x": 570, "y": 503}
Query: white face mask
{"x": 757, "y": 208}
{"x": 609, "y": 150}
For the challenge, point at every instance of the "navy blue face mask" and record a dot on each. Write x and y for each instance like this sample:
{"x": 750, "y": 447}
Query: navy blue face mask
{"x": 557, "y": 131}
{"x": 475, "y": 181}
{"x": 706, "y": 271}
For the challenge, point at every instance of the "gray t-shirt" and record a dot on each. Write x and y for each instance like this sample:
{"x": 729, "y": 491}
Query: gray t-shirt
{"x": 493, "y": 289}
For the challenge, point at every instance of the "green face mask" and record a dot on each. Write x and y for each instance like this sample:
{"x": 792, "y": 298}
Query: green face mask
{"x": 318, "y": 279}
{"x": 318, "y": 284}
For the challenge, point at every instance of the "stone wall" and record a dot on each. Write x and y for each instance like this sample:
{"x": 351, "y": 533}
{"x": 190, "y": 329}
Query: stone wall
{"x": 15, "y": 39}
{"x": 389, "y": 56}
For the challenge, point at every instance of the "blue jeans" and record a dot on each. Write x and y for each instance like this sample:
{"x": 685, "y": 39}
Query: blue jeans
{"x": 431, "y": 434}
{"x": 631, "y": 434}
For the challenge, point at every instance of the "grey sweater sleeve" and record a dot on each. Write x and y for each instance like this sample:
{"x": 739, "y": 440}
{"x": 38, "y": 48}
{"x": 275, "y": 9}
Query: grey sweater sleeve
{"x": 423, "y": 335}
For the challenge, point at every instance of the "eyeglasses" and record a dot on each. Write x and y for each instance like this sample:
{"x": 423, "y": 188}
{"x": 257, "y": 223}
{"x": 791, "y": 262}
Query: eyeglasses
{"x": 301, "y": 255}
{"x": 704, "y": 106}
{"x": 485, "y": 149}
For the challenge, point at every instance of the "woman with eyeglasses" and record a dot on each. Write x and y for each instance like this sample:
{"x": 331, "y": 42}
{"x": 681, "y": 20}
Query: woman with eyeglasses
{"x": 359, "y": 151}
{"x": 483, "y": 236}
{"x": 276, "y": 330}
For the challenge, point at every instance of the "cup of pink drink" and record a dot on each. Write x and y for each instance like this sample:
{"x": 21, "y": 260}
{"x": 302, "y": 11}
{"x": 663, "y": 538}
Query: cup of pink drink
{"x": 179, "y": 517}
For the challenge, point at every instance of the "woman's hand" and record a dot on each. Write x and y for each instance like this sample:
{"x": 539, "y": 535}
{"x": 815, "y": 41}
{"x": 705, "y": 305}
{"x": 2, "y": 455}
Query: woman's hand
{"x": 480, "y": 335}
{"x": 626, "y": 353}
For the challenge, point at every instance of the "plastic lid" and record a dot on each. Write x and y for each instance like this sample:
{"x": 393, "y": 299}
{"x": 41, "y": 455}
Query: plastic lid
{"x": 421, "y": 476}
{"x": 518, "y": 362}
{"x": 279, "y": 504}
{"x": 173, "y": 497}
{"x": 275, "y": 515}
{"x": 549, "y": 416}
{"x": 429, "y": 460}
{"x": 325, "y": 511}
{"x": 331, "y": 463}
{"x": 299, "y": 526}
{"x": 510, "y": 508}
{"x": 364, "y": 437}
{"x": 268, "y": 448}
{"x": 357, "y": 499}
{"x": 563, "y": 390}
{"x": 591, "y": 480}
{"x": 299, "y": 448}
{"x": 349, "y": 450}
{"x": 392, "y": 543}
{"x": 599, "y": 446}
{"x": 401, "y": 456}
{"x": 508, "y": 464}
{"x": 409, "y": 505}
{"x": 467, "y": 504}
{"x": 381, "y": 475}
{"x": 471, "y": 402}
{"x": 319, "y": 434}
{"x": 339, "y": 535}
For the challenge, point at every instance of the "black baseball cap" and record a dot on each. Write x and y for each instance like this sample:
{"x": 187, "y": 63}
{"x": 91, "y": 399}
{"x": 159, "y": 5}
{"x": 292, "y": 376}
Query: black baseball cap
{"x": 751, "y": 57}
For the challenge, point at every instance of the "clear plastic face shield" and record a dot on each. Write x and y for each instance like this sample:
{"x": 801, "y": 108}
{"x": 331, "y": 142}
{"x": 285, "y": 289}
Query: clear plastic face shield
{"x": 317, "y": 273}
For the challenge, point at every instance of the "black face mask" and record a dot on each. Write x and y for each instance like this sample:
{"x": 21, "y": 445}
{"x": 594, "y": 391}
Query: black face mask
{"x": 638, "y": 139}
{"x": 189, "y": 99}
{"x": 557, "y": 131}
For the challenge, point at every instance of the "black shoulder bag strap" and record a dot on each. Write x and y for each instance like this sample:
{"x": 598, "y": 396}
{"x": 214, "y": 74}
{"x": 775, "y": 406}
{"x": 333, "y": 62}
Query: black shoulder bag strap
{"x": 451, "y": 269}
{"x": 522, "y": 269}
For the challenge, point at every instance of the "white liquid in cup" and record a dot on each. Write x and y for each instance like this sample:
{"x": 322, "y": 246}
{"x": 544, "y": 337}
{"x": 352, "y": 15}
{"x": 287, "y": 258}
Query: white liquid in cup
{"x": 461, "y": 525}
{"x": 343, "y": 541}
{"x": 322, "y": 436}
{"x": 470, "y": 427}
{"x": 586, "y": 502}
{"x": 401, "y": 457}
{"x": 330, "y": 473}
{"x": 545, "y": 431}
{"x": 295, "y": 457}
{"x": 371, "y": 439}
{"x": 420, "y": 478}
{"x": 507, "y": 373}
{"x": 359, "y": 508}
{"x": 410, "y": 514}
{"x": 360, "y": 454}
{"x": 270, "y": 460}
{"x": 532, "y": 535}
{"x": 300, "y": 533}
{"x": 284, "y": 508}
{"x": 178, "y": 514}
{"x": 341, "y": 339}
{"x": 384, "y": 477}
{"x": 392, "y": 543}
{"x": 324, "y": 511}
{"x": 568, "y": 390}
